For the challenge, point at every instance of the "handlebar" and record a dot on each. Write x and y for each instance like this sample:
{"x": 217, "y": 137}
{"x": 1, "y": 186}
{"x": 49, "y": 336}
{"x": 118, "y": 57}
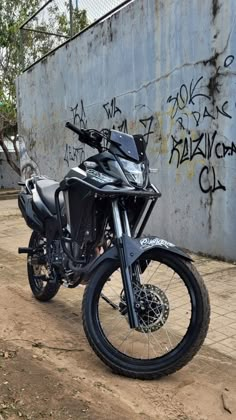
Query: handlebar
{"x": 92, "y": 137}
{"x": 72, "y": 127}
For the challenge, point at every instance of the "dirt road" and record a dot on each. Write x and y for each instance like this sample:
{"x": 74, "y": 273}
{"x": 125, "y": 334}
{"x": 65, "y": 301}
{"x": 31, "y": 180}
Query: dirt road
{"x": 48, "y": 371}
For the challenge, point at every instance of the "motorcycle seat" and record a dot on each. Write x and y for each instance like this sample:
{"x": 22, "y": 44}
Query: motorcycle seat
{"x": 46, "y": 189}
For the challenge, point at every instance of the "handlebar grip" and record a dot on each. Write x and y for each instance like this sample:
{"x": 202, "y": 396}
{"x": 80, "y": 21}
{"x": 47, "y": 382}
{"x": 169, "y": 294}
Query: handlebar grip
{"x": 72, "y": 127}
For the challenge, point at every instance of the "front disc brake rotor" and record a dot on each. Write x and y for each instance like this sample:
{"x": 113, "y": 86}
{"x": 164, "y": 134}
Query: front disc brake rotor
{"x": 152, "y": 307}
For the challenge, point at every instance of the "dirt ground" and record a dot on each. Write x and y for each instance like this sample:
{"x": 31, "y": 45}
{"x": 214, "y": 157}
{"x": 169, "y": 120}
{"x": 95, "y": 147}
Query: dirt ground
{"x": 48, "y": 371}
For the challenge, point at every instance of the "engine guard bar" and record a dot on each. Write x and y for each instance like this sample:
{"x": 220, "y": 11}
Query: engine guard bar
{"x": 154, "y": 195}
{"x": 105, "y": 191}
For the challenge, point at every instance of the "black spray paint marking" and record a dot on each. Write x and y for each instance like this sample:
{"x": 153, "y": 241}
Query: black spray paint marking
{"x": 185, "y": 100}
{"x": 205, "y": 146}
{"x": 208, "y": 176}
{"x": 74, "y": 154}
{"x": 111, "y": 108}
{"x": 186, "y": 96}
{"x": 228, "y": 61}
{"x": 77, "y": 154}
{"x": 79, "y": 115}
{"x": 187, "y": 149}
{"x": 147, "y": 123}
{"x": 199, "y": 117}
{"x": 123, "y": 126}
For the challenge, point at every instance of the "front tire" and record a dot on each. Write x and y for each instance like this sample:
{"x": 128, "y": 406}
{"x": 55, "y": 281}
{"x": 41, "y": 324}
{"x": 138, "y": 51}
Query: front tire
{"x": 133, "y": 361}
{"x": 42, "y": 290}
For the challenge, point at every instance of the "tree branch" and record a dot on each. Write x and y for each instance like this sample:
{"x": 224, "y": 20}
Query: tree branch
{"x": 8, "y": 155}
{"x": 13, "y": 141}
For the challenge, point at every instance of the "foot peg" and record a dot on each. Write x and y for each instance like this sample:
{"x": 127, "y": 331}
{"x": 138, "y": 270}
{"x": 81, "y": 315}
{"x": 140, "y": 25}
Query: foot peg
{"x": 28, "y": 251}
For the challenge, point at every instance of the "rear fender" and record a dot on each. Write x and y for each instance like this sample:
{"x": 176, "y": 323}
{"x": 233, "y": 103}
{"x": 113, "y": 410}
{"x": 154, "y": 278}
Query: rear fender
{"x": 134, "y": 248}
{"x": 25, "y": 203}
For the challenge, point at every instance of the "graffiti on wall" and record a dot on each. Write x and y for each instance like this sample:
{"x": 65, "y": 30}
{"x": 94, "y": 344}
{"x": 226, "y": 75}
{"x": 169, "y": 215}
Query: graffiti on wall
{"x": 144, "y": 125}
{"x": 76, "y": 154}
{"x": 187, "y": 96}
{"x": 79, "y": 115}
{"x": 73, "y": 154}
{"x": 114, "y": 112}
{"x": 205, "y": 146}
{"x": 114, "y": 118}
{"x": 193, "y": 103}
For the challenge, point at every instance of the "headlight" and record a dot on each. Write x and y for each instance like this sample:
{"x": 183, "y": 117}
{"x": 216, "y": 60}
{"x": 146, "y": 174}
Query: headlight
{"x": 135, "y": 172}
{"x": 99, "y": 177}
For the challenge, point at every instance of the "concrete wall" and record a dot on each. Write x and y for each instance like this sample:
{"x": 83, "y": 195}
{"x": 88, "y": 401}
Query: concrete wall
{"x": 163, "y": 68}
{"x": 8, "y": 177}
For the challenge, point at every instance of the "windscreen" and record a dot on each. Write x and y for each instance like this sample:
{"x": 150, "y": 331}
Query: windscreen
{"x": 126, "y": 144}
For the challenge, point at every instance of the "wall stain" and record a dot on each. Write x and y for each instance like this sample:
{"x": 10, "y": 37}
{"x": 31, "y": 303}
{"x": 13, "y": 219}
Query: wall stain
{"x": 213, "y": 84}
{"x": 215, "y": 8}
{"x": 210, "y": 202}
{"x": 212, "y": 60}
{"x": 110, "y": 31}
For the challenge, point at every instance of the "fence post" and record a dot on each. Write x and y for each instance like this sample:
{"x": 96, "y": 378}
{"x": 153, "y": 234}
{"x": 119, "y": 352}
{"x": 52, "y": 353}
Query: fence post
{"x": 21, "y": 52}
{"x": 71, "y": 18}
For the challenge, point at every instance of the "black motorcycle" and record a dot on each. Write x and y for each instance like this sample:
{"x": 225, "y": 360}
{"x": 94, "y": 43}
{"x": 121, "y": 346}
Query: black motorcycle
{"x": 145, "y": 307}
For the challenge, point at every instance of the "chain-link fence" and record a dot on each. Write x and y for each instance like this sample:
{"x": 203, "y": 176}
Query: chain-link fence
{"x": 56, "y": 21}
{"x": 97, "y": 8}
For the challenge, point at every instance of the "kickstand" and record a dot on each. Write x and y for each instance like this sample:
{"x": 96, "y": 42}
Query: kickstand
{"x": 113, "y": 305}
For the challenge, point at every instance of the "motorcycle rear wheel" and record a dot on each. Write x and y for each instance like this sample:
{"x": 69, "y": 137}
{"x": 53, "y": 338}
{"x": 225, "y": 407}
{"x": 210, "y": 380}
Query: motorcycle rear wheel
{"x": 174, "y": 318}
{"x": 43, "y": 290}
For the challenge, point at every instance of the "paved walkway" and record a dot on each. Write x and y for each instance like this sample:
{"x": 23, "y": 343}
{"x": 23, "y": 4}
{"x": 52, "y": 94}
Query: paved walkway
{"x": 220, "y": 278}
{"x": 9, "y": 208}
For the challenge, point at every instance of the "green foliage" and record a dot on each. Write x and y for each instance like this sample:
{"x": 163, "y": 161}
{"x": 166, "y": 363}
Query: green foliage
{"x": 12, "y": 15}
{"x": 80, "y": 20}
{"x": 61, "y": 19}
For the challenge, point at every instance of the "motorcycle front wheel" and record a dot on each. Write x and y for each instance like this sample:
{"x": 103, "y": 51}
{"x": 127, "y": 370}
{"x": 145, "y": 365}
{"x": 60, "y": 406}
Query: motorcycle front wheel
{"x": 173, "y": 311}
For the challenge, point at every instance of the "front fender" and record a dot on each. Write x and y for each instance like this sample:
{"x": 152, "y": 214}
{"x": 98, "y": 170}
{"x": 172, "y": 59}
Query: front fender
{"x": 134, "y": 247}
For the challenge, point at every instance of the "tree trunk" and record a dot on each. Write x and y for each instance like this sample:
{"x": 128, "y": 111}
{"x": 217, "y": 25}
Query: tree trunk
{"x": 8, "y": 155}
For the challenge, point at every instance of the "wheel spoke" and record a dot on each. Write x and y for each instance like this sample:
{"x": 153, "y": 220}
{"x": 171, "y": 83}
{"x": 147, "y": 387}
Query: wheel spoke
{"x": 129, "y": 333}
{"x": 154, "y": 338}
{"x": 119, "y": 317}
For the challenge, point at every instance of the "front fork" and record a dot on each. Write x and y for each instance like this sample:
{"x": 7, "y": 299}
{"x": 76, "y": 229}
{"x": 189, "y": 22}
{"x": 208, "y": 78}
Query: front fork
{"x": 121, "y": 226}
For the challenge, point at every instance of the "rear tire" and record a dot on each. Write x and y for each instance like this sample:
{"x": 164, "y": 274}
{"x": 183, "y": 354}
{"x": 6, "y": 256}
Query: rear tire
{"x": 176, "y": 358}
{"x": 42, "y": 290}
